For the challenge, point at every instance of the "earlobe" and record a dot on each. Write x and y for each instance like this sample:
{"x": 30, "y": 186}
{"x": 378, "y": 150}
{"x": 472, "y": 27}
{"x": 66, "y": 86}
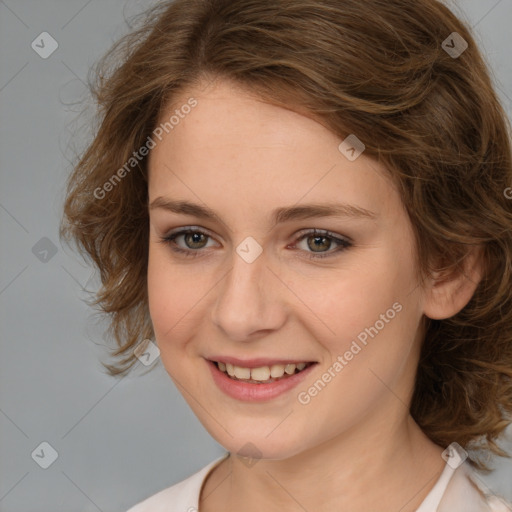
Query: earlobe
{"x": 447, "y": 294}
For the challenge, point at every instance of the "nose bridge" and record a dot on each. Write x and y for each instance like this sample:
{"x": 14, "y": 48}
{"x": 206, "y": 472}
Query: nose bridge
{"x": 246, "y": 300}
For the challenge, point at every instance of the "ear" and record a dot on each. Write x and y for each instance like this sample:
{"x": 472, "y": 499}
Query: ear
{"x": 446, "y": 295}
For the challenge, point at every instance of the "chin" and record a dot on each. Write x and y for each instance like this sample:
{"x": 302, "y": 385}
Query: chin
{"x": 257, "y": 445}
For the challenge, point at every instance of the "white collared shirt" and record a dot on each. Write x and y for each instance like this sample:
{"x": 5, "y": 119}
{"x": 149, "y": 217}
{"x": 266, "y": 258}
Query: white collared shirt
{"x": 457, "y": 490}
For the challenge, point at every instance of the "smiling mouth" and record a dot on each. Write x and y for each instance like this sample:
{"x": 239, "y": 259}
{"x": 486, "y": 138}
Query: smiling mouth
{"x": 263, "y": 374}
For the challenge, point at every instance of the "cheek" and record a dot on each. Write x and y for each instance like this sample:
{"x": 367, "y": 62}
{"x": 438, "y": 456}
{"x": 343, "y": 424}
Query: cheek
{"x": 369, "y": 354}
{"x": 349, "y": 301}
{"x": 370, "y": 317}
{"x": 158, "y": 291}
{"x": 169, "y": 297}
{"x": 177, "y": 298}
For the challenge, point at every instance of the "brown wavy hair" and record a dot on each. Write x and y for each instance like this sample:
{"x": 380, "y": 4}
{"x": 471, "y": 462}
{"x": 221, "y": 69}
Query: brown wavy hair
{"x": 375, "y": 69}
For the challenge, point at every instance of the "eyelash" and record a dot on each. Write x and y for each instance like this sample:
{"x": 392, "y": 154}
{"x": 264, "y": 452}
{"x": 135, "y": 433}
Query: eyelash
{"x": 344, "y": 244}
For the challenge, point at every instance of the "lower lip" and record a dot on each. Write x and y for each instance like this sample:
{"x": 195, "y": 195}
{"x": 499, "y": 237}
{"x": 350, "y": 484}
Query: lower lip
{"x": 248, "y": 392}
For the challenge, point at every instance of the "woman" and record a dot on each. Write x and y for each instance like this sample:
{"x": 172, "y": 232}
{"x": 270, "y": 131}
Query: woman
{"x": 304, "y": 204}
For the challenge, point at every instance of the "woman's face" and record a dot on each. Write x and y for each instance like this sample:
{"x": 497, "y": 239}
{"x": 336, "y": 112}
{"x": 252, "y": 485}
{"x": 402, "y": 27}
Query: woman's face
{"x": 263, "y": 294}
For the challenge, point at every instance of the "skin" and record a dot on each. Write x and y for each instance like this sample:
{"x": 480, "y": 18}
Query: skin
{"x": 354, "y": 446}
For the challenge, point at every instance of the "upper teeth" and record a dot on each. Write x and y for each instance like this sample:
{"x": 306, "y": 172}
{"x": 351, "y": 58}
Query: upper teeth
{"x": 262, "y": 373}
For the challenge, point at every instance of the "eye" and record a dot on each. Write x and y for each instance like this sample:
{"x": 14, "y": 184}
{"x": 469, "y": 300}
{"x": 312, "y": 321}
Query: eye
{"x": 323, "y": 239}
{"x": 195, "y": 240}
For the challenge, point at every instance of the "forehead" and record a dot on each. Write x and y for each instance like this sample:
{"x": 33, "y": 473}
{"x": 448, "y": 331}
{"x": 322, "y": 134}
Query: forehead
{"x": 234, "y": 146}
{"x": 225, "y": 114}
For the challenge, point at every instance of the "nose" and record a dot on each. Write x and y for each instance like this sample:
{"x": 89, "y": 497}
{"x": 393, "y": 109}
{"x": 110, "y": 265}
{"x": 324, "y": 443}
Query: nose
{"x": 249, "y": 301}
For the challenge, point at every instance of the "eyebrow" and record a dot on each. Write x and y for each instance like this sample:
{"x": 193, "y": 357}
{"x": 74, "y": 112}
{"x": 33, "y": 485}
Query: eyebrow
{"x": 279, "y": 215}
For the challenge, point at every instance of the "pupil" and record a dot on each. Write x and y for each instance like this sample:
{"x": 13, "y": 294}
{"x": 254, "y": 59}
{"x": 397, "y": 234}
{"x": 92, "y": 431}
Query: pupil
{"x": 317, "y": 238}
{"x": 195, "y": 237}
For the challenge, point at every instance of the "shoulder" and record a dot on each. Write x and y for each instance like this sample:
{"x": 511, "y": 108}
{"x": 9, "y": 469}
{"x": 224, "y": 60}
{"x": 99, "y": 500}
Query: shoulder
{"x": 181, "y": 497}
{"x": 467, "y": 488}
{"x": 493, "y": 501}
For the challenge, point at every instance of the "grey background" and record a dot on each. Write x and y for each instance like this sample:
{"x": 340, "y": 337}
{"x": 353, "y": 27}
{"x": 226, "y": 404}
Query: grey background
{"x": 118, "y": 441}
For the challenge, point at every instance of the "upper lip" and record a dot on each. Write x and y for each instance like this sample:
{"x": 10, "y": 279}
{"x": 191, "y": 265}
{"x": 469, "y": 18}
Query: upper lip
{"x": 257, "y": 362}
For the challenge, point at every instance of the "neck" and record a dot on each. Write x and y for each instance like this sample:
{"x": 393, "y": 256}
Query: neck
{"x": 391, "y": 467}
